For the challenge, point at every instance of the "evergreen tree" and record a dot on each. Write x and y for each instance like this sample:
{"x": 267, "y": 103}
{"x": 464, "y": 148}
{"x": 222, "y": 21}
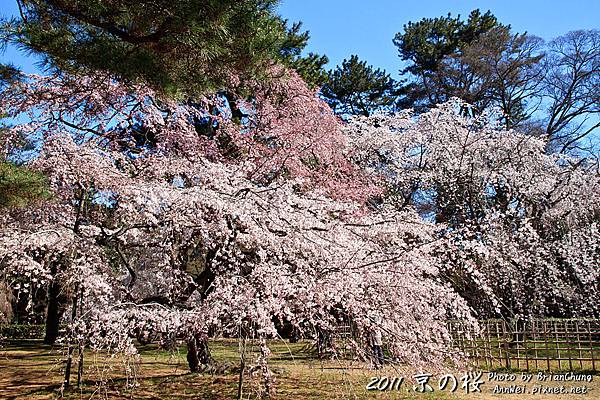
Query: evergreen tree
{"x": 183, "y": 47}
{"x": 499, "y": 69}
{"x": 358, "y": 88}
{"x": 425, "y": 44}
{"x": 309, "y": 67}
{"x": 19, "y": 186}
{"x": 8, "y": 74}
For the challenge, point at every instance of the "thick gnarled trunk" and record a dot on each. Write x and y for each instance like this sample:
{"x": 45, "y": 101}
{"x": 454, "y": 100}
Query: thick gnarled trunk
{"x": 198, "y": 353}
{"x": 53, "y": 311}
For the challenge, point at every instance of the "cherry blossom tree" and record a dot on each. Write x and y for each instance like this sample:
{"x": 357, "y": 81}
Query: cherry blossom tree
{"x": 521, "y": 226}
{"x": 161, "y": 228}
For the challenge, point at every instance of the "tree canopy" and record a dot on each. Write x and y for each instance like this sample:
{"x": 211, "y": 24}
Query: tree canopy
{"x": 19, "y": 186}
{"x": 542, "y": 89}
{"x": 425, "y": 44}
{"x": 181, "y": 47}
{"x": 357, "y": 88}
{"x": 521, "y": 225}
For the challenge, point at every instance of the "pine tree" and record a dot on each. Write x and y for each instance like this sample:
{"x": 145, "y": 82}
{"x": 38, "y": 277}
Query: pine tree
{"x": 309, "y": 67}
{"x": 426, "y": 43}
{"x": 182, "y": 47}
{"x": 19, "y": 186}
{"x": 358, "y": 88}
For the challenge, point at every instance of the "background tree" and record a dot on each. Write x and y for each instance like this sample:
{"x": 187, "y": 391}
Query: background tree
{"x": 19, "y": 186}
{"x": 357, "y": 88}
{"x": 519, "y": 224}
{"x": 571, "y": 89}
{"x": 425, "y": 44}
{"x": 310, "y": 66}
{"x": 180, "y": 47}
{"x": 498, "y": 69}
{"x": 543, "y": 90}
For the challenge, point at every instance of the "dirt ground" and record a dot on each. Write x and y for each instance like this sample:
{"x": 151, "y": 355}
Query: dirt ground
{"x": 30, "y": 370}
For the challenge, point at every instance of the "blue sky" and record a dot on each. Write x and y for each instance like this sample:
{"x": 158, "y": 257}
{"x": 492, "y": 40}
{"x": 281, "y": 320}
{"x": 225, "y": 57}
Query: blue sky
{"x": 340, "y": 28}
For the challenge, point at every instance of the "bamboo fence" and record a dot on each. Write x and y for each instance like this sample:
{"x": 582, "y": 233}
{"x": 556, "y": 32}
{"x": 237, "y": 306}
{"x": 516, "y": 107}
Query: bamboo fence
{"x": 536, "y": 344}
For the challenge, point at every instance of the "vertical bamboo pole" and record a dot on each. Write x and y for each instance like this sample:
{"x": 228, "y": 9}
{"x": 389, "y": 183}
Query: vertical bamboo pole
{"x": 591, "y": 346}
{"x": 546, "y": 339}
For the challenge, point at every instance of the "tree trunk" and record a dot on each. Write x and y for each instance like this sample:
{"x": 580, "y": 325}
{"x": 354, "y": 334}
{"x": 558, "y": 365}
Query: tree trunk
{"x": 53, "y": 310}
{"x": 264, "y": 368}
{"x": 198, "y": 353}
{"x": 80, "y": 365}
{"x": 6, "y": 302}
{"x": 192, "y": 355}
{"x": 242, "y": 368}
{"x": 295, "y": 335}
{"x": 81, "y": 345}
{"x": 67, "y": 380}
{"x": 324, "y": 342}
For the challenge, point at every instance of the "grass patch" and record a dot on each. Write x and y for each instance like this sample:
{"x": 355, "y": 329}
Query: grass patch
{"x": 32, "y": 370}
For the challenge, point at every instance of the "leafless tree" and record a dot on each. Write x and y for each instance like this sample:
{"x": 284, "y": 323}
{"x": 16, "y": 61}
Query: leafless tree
{"x": 571, "y": 88}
